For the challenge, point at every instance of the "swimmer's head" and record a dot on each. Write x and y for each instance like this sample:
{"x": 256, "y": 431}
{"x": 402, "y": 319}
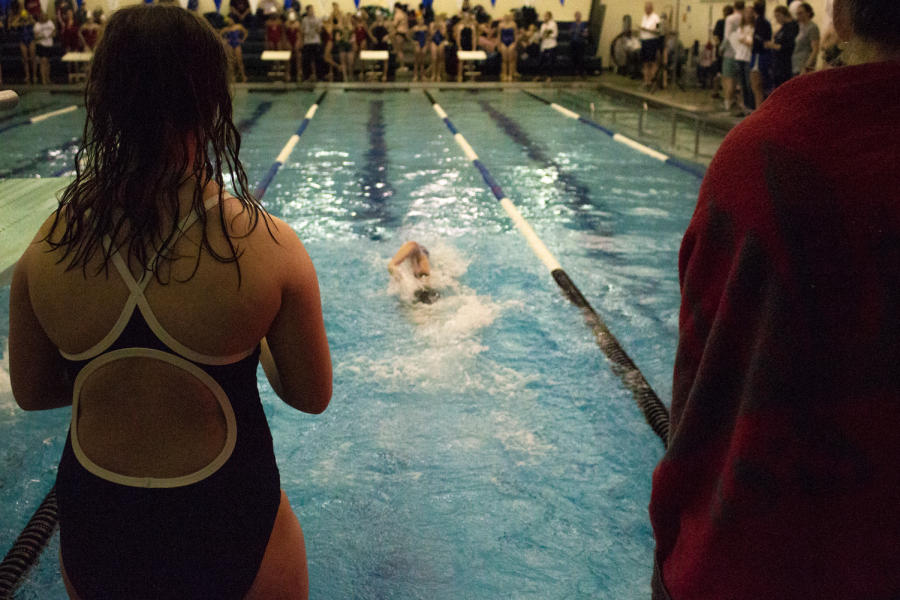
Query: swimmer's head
{"x": 426, "y": 295}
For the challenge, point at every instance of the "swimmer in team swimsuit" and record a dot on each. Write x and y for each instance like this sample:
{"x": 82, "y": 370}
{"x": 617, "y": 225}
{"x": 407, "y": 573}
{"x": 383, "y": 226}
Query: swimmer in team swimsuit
{"x": 417, "y": 255}
{"x": 420, "y": 37}
{"x": 235, "y": 35}
{"x": 508, "y": 47}
{"x": 146, "y": 302}
{"x": 438, "y": 32}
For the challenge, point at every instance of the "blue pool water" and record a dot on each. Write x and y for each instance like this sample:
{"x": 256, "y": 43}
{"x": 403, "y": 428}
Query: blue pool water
{"x": 479, "y": 447}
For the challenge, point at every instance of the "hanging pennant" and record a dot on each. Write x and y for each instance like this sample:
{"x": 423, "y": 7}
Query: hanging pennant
{"x": 356, "y": 2}
{"x": 494, "y": 3}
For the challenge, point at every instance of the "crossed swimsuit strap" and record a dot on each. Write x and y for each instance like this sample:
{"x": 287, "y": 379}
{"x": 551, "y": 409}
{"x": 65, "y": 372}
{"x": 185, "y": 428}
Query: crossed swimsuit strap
{"x": 137, "y": 298}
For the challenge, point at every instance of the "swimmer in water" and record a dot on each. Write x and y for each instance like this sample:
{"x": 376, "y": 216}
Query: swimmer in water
{"x": 417, "y": 255}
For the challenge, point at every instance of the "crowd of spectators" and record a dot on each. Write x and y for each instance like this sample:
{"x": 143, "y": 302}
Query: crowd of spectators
{"x": 39, "y": 32}
{"x": 328, "y": 49}
{"x": 755, "y": 59}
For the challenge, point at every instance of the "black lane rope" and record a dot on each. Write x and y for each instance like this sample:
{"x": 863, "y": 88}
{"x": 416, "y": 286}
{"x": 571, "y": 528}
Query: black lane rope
{"x": 28, "y": 546}
{"x": 654, "y": 411}
{"x": 687, "y": 168}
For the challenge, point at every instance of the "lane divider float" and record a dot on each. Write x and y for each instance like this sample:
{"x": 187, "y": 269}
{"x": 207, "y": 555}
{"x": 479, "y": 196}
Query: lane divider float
{"x": 687, "y": 168}
{"x": 40, "y": 118}
{"x": 29, "y": 545}
{"x": 288, "y": 148}
{"x": 655, "y": 412}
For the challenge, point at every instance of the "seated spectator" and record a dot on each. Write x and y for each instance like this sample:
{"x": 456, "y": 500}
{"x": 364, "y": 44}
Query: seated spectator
{"x": 779, "y": 481}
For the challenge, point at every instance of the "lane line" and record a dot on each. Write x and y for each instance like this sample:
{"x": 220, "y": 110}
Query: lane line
{"x": 654, "y": 411}
{"x": 687, "y": 168}
{"x": 288, "y": 148}
{"x": 52, "y": 114}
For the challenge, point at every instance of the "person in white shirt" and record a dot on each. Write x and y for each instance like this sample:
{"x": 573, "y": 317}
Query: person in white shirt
{"x": 729, "y": 67}
{"x": 651, "y": 44}
{"x": 43, "y": 37}
{"x": 548, "y": 33}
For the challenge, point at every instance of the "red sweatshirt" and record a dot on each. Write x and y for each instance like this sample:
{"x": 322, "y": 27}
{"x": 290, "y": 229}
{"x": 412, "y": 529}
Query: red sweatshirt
{"x": 782, "y": 476}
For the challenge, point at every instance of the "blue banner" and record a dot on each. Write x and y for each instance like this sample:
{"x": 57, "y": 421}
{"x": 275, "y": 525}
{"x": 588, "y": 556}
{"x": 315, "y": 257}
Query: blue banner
{"x": 218, "y": 5}
{"x": 356, "y": 2}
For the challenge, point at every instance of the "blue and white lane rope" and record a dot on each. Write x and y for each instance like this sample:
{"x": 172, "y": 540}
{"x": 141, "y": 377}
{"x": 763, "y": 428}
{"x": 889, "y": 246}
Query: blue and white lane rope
{"x": 40, "y": 118}
{"x": 288, "y": 148}
{"x": 655, "y": 412}
{"x": 622, "y": 139}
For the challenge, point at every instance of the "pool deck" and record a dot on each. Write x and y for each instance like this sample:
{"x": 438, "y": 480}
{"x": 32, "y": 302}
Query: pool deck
{"x": 24, "y": 205}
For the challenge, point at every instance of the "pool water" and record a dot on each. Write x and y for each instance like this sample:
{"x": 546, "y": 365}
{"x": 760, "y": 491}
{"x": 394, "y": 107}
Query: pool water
{"x": 478, "y": 447}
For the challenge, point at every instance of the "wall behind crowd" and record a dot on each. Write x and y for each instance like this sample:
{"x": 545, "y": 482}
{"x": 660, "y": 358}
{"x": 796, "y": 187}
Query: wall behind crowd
{"x": 561, "y": 12}
{"x": 694, "y": 19}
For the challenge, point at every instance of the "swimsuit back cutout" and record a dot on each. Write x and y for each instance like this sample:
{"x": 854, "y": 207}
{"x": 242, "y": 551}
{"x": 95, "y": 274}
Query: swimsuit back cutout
{"x": 157, "y": 529}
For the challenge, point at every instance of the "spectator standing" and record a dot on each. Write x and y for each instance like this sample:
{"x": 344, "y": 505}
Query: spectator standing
{"x": 783, "y": 46}
{"x": 438, "y": 31}
{"x": 274, "y": 32}
{"x": 718, "y": 38}
{"x": 761, "y": 60}
{"x": 34, "y": 8}
{"x": 25, "y": 25}
{"x": 239, "y": 11}
{"x": 235, "y": 35}
{"x": 549, "y": 32}
{"x": 400, "y": 25}
{"x": 379, "y": 35}
{"x": 43, "y": 37}
{"x": 420, "y": 37}
{"x": 466, "y": 34}
{"x": 742, "y": 42}
{"x": 651, "y": 44}
{"x": 779, "y": 481}
{"x": 706, "y": 65}
{"x": 294, "y": 41}
{"x": 806, "y": 46}
{"x": 579, "y": 32}
{"x": 508, "y": 47}
{"x": 729, "y": 66}
{"x": 89, "y": 33}
{"x": 312, "y": 44}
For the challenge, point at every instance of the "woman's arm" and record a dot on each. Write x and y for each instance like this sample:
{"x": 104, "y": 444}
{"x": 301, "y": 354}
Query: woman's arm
{"x": 36, "y": 368}
{"x": 296, "y": 357}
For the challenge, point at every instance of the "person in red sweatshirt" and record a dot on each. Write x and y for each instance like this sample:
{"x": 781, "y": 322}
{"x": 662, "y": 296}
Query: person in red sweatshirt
{"x": 780, "y": 481}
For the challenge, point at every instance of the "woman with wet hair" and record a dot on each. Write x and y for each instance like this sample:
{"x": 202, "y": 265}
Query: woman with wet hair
{"x": 779, "y": 480}
{"x": 146, "y": 302}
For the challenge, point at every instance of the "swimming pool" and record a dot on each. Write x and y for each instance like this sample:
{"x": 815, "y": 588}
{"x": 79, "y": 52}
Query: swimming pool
{"x": 479, "y": 447}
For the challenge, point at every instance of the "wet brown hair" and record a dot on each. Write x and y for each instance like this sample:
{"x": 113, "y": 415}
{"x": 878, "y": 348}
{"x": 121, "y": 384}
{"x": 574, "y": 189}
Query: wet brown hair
{"x": 876, "y": 21}
{"x": 160, "y": 83}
